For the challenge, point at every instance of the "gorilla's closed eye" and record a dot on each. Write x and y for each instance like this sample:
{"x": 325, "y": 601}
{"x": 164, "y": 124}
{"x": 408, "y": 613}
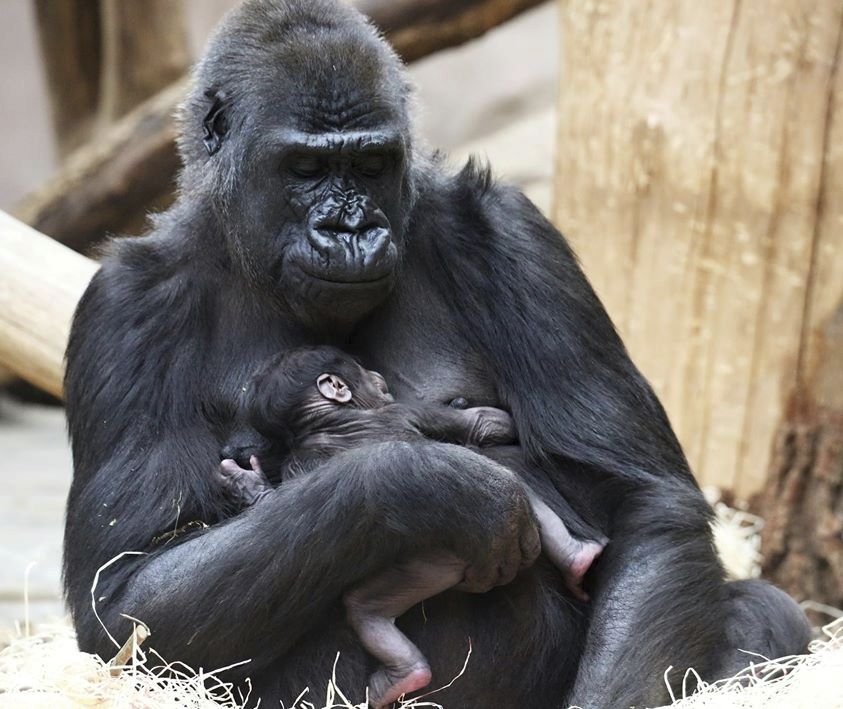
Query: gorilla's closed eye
{"x": 305, "y": 165}
{"x": 373, "y": 165}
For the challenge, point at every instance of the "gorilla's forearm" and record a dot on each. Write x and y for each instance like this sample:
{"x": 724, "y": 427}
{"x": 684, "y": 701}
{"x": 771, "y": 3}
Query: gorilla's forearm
{"x": 266, "y": 563}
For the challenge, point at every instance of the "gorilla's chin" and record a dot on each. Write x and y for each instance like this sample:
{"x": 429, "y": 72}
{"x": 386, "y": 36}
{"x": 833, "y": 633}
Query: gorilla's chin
{"x": 323, "y": 303}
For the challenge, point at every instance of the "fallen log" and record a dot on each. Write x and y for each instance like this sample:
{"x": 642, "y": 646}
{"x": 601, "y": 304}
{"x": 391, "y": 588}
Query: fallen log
{"x": 109, "y": 185}
{"x": 41, "y": 285}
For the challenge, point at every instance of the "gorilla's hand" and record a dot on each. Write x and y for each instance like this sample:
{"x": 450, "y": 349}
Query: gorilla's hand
{"x": 490, "y": 427}
{"x": 449, "y": 498}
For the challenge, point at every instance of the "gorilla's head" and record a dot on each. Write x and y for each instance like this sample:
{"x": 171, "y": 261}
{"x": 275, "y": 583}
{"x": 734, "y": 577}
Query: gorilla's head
{"x": 297, "y": 136}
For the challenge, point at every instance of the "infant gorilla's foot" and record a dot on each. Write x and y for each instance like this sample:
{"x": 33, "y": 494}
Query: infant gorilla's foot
{"x": 386, "y": 686}
{"x": 579, "y": 564}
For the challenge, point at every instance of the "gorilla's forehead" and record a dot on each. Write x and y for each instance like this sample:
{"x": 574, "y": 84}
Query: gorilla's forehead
{"x": 308, "y": 108}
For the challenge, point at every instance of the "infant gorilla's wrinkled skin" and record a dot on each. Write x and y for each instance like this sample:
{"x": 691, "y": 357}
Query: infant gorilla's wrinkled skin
{"x": 316, "y": 402}
{"x": 307, "y": 214}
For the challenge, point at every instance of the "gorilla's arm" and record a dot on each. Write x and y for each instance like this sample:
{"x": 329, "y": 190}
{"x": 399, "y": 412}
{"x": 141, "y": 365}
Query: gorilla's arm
{"x": 252, "y": 586}
{"x": 575, "y": 395}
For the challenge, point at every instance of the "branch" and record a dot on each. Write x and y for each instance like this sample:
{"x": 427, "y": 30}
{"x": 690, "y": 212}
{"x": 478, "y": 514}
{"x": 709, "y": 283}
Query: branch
{"x": 108, "y": 186}
{"x": 417, "y": 28}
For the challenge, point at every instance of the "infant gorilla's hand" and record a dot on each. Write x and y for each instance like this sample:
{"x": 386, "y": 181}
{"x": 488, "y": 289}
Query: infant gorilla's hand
{"x": 243, "y": 485}
{"x": 489, "y": 426}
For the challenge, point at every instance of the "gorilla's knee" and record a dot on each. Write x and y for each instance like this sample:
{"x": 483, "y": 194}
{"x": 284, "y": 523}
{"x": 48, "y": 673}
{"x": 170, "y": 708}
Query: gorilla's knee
{"x": 763, "y": 620}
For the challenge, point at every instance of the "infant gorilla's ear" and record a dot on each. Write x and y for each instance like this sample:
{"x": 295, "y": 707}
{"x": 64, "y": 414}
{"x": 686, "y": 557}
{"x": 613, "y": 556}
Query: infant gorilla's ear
{"x": 333, "y": 388}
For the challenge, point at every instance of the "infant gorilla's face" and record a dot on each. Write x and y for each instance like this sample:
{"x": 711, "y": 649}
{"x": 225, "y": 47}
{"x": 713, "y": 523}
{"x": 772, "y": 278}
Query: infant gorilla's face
{"x": 374, "y": 390}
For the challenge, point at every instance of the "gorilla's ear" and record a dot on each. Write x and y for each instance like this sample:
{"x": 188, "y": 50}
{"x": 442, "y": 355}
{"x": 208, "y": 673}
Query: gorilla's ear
{"x": 333, "y": 388}
{"x": 215, "y": 122}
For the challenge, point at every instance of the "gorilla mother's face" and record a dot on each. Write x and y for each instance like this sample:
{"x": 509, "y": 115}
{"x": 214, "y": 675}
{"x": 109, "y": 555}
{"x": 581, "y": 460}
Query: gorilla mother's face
{"x": 320, "y": 207}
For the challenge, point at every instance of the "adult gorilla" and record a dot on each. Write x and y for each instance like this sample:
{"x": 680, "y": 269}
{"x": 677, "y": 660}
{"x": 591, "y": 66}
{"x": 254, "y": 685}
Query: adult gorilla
{"x": 306, "y": 217}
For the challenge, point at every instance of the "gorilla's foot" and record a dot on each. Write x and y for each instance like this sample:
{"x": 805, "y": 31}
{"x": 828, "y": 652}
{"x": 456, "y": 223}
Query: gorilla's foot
{"x": 386, "y": 685}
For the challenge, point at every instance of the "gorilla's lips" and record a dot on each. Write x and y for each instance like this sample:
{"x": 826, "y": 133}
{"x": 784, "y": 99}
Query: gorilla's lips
{"x": 349, "y": 279}
{"x": 350, "y": 263}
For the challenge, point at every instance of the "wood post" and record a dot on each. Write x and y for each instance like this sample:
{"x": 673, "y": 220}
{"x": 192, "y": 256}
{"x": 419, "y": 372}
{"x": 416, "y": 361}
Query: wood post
{"x": 41, "y": 284}
{"x": 699, "y": 177}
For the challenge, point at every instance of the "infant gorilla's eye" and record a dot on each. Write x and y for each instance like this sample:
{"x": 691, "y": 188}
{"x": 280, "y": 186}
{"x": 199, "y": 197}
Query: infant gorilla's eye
{"x": 305, "y": 165}
{"x": 370, "y": 165}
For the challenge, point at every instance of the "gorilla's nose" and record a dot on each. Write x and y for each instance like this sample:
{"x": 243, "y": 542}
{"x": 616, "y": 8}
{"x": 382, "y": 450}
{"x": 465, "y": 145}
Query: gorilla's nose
{"x": 356, "y": 236}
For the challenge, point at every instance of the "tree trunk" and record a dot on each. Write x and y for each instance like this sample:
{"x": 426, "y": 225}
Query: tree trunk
{"x": 699, "y": 177}
{"x": 70, "y": 39}
{"x": 109, "y": 185}
{"x": 802, "y": 540}
{"x": 103, "y": 57}
{"x": 144, "y": 51}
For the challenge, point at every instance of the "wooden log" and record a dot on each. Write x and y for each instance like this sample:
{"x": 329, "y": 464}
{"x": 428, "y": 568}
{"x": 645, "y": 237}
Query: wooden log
{"x": 698, "y": 178}
{"x": 107, "y": 187}
{"x": 417, "y": 28}
{"x": 41, "y": 284}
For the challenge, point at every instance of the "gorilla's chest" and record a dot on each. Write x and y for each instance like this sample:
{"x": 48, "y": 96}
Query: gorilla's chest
{"x": 418, "y": 347}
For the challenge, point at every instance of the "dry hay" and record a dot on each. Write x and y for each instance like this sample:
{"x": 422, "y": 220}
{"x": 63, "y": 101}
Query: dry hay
{"x": 46, "y": 670}
{"x": 813, "y": 681}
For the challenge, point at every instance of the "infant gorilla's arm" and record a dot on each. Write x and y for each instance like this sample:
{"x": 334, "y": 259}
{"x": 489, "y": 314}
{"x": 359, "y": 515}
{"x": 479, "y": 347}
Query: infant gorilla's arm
{"x": 478, "y": 426}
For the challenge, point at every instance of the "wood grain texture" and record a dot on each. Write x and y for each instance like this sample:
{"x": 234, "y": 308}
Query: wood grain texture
{"x": 700, "y": 146}
{"x": 41, "y": 284}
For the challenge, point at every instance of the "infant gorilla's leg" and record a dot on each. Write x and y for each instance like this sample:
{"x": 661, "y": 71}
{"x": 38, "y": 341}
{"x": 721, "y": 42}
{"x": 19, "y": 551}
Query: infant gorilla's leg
{"x": 244, "y": 486}
{"x": 372, "y": 608}
{"x": 573, "y": 557}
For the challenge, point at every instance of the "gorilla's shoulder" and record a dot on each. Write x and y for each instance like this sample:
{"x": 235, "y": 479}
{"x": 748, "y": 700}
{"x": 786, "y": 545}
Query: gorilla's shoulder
{"x": 470, "y": 202}
{"x": 146, "y": 275}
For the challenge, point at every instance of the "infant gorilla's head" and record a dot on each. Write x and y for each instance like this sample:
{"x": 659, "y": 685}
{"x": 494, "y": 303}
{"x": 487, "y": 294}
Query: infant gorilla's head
{"x": 296, "y": 387}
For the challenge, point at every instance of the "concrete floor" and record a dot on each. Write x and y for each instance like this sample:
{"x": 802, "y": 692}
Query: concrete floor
{"x": 494, "y": 97}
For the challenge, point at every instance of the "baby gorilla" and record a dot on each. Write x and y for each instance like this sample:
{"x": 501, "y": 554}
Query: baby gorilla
{"x": 308, "y": 404}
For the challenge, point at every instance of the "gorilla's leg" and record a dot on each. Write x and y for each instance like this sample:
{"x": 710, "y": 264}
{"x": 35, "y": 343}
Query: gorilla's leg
{"x": 762, "y": 620}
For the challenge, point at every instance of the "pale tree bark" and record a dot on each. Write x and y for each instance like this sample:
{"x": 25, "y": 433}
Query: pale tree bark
{"x": 699, "y": 179}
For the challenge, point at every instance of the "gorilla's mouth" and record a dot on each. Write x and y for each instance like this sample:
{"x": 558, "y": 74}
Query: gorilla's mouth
{"x": 350, "y": 280}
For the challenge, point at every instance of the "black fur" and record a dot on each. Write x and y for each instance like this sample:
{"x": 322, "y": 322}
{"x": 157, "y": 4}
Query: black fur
{"x": 463, "y": 291}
